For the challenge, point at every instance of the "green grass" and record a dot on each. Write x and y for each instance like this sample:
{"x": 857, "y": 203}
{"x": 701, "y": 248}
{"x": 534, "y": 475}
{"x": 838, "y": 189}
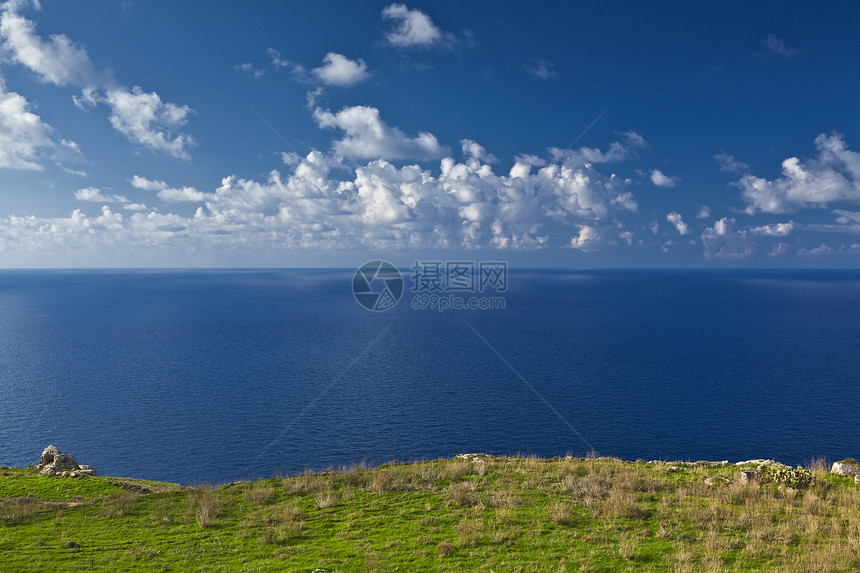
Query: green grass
{"x": 496, "y": 514}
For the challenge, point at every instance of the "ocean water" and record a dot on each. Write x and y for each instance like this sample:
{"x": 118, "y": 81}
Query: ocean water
{"x": 195, "y": 376}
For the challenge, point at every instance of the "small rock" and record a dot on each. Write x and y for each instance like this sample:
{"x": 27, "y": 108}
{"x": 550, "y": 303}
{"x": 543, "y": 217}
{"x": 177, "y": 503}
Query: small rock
{"x": 845, "y": 468}
{"x": 87, "y": 470}
{"x": 856, "y": 479}
{"x": 717, "y": 481}
{"x": 760, "y": 463}
{"x": 673, "y": 469}
{"x": 747, "y": 477}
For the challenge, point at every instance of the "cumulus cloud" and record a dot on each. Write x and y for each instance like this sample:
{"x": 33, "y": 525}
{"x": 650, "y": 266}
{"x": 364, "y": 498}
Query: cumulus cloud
{"x": 144, "y": 119}
{"x": 411, "y": 28}
{"x": 775, "y": 230}
{"x": 368, "y": 136}
{"x": 58, "y": 60}
{"x": 168, "y": 193}
{"x": 586, "y": 240}
{"x": 678, "y": 223}
{"x": 724, "y": 241}
{"x": 318, "y": 204}
{"x": 94, "y": 195}
{"x": 182, "y": 194}
{"x": 141, "y": 117}
{"x": 659, "y": 179}
{"x": 833, "y": 176}
{"x": 22, "y": 133}
{"x": 476, "y": 151}
{"x": 821, "y": 250}
{"x": 704, "y": 212}
{"x": 464, "y": 204}
{"x": 338, "y": 70}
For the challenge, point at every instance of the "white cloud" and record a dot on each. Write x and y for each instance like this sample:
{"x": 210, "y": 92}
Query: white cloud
{"x": 654, "y": 227}
{"x": 775, "y": 230}
{"x": 586, "y": 240}
{"x": 704, "y": 212}
{"x": 338, "y": 70}
{"x": 476, "y": 151}
{"x": 816, "y": 252}
{"x": 633, "y": 139}
{"x": 168, "y": 193}
{"x": 22, "y": 133}
{"x": 367, "y": 136}
{"x": 94, "y": 195}
{"x": 147, "y": 184}
{"x": 182, "y": 194}
{"x": 678, "y": 223}
{"x": 250, "y": 69}
{"x": 659, "y": 179}
{"x": 727, "y": 162}
{"x": 75, "y": 172}
{"x": 411, "y": 28}
{"x": 831, "y": 177}
{"x": 58, "y": 61}
{"x": 317, "y": 204}
{"x": 144, "y": 119}
{"x": 721, "y": 227}
{"x": 724, "y": 241}
{"x": 776, "y": 45}
{"x": 542, "y": 69}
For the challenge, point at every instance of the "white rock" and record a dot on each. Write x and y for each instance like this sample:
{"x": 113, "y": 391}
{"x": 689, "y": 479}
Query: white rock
{"x": 845, "y": 469}
{"x": 53, "y": 461}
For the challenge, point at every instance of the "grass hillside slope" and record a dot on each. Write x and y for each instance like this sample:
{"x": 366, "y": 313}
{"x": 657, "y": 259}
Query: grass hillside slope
{"x": 471, "y": 513}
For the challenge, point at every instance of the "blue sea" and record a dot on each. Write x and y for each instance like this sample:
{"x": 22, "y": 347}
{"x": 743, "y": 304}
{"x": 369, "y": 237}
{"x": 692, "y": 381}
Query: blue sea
{"x": 219, "y": 375}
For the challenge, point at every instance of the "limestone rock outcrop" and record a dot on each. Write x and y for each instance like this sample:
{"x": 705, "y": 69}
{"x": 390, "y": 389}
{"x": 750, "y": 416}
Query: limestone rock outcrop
{"x": 53, "y": 462}
{"x": 846, "y": 468}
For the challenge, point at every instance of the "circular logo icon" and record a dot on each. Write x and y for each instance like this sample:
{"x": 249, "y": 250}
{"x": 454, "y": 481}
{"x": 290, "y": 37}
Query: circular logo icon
{"x": 377, "y": 285}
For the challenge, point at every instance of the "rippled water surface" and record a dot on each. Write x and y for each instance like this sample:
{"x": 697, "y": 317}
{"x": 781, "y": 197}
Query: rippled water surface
{"x": 192, "y": 376}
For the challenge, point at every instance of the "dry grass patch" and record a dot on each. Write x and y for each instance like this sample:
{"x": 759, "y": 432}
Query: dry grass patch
{"x": 469, "y": 532}
{"x": 258, "y": 493}
{"x": 463, "y": 494}
{"x": 205, "y": 506}
{"x": 455, "y": 470}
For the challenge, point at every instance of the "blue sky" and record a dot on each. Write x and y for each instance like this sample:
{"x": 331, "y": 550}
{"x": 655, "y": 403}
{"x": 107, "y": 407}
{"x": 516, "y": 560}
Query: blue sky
{"x": 608, "y": 134}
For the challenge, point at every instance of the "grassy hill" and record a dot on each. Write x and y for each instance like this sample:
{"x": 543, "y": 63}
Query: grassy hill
{"x": 475, "y": 513}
